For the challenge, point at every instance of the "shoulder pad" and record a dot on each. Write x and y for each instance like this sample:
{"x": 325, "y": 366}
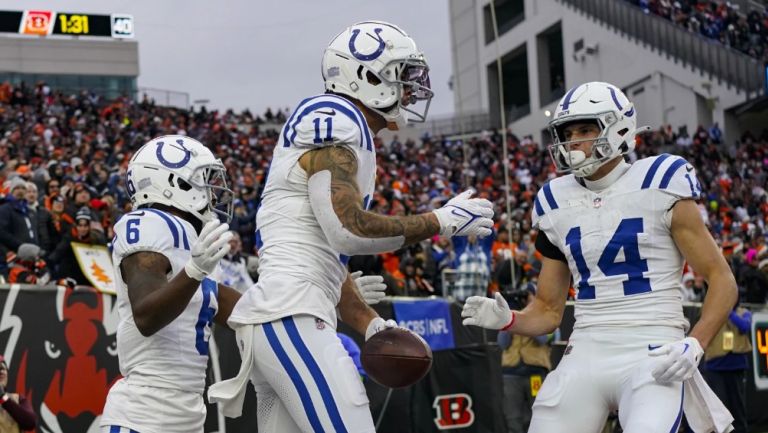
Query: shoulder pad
{"x": 544, "y": 202}
{"x": 327, "y": 120}
{"x": 671, "y": 174}
{"x": 149, "y": 230}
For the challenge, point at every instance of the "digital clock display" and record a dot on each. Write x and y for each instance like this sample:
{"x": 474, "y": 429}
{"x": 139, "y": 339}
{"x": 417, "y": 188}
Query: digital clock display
{"x": 75, "y": 24}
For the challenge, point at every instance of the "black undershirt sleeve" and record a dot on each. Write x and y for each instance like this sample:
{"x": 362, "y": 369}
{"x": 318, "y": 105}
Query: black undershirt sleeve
{"x": 548, "y": 249}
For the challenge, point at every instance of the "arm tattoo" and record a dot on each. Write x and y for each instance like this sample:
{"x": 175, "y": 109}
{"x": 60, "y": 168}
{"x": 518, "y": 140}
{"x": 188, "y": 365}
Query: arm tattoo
{"x": 347, "y": 200}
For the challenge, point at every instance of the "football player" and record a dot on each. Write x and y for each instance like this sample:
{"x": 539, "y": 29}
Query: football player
{"x": 313, "y": 216}
{"x": 162, "y": 253}
{"x": 622, "y": 233}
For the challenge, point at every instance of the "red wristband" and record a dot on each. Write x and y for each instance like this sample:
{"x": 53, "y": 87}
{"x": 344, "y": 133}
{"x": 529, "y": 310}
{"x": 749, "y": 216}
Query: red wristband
{"x": 4, "y": 398}
{"x": 511, "y": 322}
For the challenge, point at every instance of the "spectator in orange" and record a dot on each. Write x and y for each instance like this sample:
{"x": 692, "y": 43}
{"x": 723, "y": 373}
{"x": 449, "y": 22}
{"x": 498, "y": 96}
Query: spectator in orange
{"x": 26, "y": 266}
{"x": 414, "y": 282}
{"x": 62, "y": 222}
{"x": 502, "y": 247}
{"x": 64, "y": 256}
{"x": 5, "y": 92}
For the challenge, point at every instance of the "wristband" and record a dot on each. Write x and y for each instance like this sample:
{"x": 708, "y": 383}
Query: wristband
{"x": 4, "y": 398}
{"x": 511, "y": 322}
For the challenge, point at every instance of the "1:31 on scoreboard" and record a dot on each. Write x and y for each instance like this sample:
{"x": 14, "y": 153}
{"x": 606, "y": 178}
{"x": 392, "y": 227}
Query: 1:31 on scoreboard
{"x": 71, "y": 24}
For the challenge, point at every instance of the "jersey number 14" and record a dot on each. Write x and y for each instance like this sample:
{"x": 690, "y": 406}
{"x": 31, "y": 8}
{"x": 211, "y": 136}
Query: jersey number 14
{"x": 633, "y": 266}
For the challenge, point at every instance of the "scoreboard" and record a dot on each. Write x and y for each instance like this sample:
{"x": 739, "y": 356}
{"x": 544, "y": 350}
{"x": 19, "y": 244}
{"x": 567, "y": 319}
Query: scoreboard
{"x": 45, "y": 23}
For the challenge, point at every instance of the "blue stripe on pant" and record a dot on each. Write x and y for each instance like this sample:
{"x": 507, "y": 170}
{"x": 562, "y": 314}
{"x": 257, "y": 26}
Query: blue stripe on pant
{"x": 679, "y": 418}
{"x": 317, "y": 374}
{"x": 293, "y": 373}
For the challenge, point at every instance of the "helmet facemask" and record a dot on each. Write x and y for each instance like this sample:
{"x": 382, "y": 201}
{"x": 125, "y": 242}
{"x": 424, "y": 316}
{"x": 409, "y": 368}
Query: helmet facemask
{"x": 412, "y": 86}
{"x": 212, "y": 179}
{"x": 567, "y": 159}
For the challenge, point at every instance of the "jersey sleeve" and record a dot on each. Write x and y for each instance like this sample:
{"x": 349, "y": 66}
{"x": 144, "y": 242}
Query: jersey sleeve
{"x": 148, "y": 231}
{"x": 328, "y": 120}
{"x": 679, "y": 178}
{"x": 544, "y": 203}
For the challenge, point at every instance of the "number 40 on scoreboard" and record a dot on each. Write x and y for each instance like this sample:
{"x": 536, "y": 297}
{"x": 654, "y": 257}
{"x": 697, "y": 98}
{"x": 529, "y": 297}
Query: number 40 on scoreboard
{"x": 760, "y": 348}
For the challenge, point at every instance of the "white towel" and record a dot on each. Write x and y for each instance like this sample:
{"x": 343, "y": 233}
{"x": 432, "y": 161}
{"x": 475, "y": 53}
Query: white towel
{"x": 703, "y": 410}
{"x": 230, "y": 393}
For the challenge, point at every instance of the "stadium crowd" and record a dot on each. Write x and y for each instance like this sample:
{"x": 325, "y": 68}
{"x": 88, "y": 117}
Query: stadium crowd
{"x": 63, "y": 159}
{"x": 723, "y": 21}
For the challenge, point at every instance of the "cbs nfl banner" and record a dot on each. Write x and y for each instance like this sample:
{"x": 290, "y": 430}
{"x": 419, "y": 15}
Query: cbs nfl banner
{"x": 96, "y": 264}
{"x": 430, "y": 318}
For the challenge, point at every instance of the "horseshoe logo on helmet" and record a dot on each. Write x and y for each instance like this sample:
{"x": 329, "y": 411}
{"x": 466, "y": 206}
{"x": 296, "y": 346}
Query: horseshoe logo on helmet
{"x": 169, "y": 164}
{"x": 367, "y": 57}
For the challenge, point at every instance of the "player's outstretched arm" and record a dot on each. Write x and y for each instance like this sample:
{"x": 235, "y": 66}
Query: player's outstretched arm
{"x": 700, "y": 250}
{"x": 338, "y": 205}
{"x": 227, "y": 299}
{"x": 678, "y": 361}
{"x": 544, "y": 314}
{"x": 540, "y": 317}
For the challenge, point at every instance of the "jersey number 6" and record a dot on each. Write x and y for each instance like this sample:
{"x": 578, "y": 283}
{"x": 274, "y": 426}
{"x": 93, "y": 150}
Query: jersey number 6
{"x": 210, "y": 288}
{"x": 132, "y": 231}
{"x": 633, "y": 265}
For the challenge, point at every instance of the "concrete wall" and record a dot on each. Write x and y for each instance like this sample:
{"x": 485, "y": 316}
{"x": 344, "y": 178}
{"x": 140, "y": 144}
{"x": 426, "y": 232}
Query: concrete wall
{"x": 465, "y": 40}
{"x": 671, "y": 93}
{"x": 68, "y": 56}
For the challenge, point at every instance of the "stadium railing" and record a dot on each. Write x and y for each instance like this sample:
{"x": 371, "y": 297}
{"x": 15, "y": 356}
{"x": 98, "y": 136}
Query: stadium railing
{"x": 708, "y": 56}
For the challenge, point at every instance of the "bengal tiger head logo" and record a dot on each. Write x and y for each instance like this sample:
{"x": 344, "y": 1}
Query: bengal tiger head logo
{"x": 62, "y": 354}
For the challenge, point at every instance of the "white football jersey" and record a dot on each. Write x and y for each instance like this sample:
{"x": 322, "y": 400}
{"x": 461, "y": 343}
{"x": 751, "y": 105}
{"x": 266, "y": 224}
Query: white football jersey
{"x": 177, "y": 355}
{"x": 299, "y": 272}
{"x": 625, "y": 265}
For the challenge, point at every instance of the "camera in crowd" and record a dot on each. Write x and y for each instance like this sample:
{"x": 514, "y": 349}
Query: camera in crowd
{"x": 518, "y": 299}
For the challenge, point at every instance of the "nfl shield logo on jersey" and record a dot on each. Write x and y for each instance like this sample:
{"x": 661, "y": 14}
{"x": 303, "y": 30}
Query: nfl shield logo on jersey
{"x": 597, "y": 202}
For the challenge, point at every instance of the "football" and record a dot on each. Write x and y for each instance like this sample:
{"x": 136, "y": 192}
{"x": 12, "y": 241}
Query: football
{"x": 396, "y": 358}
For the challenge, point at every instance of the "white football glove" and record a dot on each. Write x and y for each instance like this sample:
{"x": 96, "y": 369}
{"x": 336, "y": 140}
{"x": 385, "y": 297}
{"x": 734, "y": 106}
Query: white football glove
{"x": 211, "y": 246}
{"x": 371, "y": 287}
{"x": 487, "y": 313}
{"x": 377, "y": 325}
{"x": 464, "y": 216}
{"x": 679, "y": 360}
